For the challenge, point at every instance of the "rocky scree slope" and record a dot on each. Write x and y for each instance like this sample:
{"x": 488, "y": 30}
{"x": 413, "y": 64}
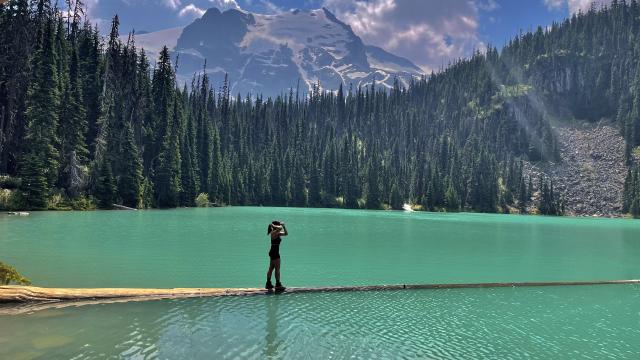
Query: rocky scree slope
{"x": 590, "y": 175}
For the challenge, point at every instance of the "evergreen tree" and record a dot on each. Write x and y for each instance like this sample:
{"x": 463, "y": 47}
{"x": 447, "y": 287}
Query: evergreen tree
{"x": 549, "y": 204}
{"x": 41, "y": 157}
{"x": 167, "y": 134}
{"x": 73, "y": 126}
{"x": 373, "y": 183}
{"x": 395, "y": 198}
{"x": 299, "y": 191}
{"x": 189, "y": 181}
{"x": 16, "y": 55}
{"x": 34, "y": 184}
{"x": 105, "y": 191}
{"x": 631, "y": 194}
{"x": 452, "y": 201}
{"x": 168, "y": 183}
{"x": 130, "y": 181}
{"x": 214, "y": 169}
{"x": 315, "y": 187}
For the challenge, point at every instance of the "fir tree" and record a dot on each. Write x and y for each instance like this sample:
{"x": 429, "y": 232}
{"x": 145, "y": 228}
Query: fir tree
{"x": 130, "y": 181}
{"x": 105, "y": 191}
{"x": 373, "y": 184}
{"x": 452, "y": 201}
{"x": 168, "y": 184}
{"x": 41, "y": 157}
{"x": 73, "y": 126}
{"x": 395, "y": 198}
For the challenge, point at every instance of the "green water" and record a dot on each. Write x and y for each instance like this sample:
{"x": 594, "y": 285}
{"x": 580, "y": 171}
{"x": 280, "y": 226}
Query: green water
{"x": 227, "y": 247}
{"x": 599, "y": 322}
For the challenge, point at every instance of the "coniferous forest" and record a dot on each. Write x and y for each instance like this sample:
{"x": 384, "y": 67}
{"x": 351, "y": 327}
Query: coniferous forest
{"x": 91, "y": 121}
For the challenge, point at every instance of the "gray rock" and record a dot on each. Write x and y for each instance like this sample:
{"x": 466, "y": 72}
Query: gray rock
{"x": 591, "y": 175}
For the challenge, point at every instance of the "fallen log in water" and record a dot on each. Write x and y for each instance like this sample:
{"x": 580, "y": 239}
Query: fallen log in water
{"x": 18, "y": 213}
{"x": 15, "y": 293}
{"x": 122, "y": 207}
{"x": 30, "y": 298}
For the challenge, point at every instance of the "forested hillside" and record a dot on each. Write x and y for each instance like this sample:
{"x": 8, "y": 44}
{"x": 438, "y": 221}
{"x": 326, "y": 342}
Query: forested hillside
{"x": 86, "y": 122}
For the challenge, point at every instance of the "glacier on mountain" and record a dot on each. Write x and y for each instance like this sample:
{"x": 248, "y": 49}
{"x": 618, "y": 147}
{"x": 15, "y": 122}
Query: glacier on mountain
{"x": 270, "y": 54}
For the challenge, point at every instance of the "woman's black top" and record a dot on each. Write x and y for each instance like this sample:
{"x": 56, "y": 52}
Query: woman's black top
{"x": 274, "y": 252}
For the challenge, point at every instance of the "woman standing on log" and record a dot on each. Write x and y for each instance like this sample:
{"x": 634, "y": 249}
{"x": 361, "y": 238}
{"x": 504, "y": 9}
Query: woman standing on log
{"x": 275, "y": 230}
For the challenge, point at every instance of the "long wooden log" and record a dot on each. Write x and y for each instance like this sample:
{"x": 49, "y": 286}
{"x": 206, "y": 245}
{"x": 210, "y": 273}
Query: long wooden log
{"x": 122, "y": 207}
{"x": 15, "y": 293}
{"x": 31, "y": 298}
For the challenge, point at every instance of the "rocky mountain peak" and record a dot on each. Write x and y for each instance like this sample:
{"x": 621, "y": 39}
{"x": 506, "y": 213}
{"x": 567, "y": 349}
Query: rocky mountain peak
{"x": 270, "y": 54}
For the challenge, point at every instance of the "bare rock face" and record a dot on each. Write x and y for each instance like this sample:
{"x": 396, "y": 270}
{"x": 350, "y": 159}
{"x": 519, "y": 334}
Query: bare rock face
{"x": 590, "y": 176}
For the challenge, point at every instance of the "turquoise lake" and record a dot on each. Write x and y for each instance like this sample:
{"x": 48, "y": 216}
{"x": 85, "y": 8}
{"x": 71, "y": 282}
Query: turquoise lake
{"x": 227, "y": 247}
{"x": 600, "y": 322}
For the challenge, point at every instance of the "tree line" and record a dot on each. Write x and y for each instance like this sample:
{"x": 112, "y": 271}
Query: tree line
{"x": 86, "y": 121}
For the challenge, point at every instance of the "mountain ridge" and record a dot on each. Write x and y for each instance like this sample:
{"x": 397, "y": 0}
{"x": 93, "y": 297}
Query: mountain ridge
{"x": 270, "y": 54}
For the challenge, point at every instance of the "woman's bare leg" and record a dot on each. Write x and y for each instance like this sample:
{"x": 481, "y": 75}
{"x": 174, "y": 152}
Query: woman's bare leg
{"x": 277, "y": 266}
{"x": 270, "y": 271}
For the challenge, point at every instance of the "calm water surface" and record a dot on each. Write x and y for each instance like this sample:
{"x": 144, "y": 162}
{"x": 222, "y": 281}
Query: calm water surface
{"x": 227, "y": 247}
{"x": 600, "y": 322}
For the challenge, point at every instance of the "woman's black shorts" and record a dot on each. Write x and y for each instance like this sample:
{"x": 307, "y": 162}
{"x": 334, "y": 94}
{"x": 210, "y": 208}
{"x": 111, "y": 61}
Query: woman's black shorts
{"x": 274, "y": 255}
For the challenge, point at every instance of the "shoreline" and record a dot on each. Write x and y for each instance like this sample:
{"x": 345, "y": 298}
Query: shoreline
{"x": 578, "y": 216}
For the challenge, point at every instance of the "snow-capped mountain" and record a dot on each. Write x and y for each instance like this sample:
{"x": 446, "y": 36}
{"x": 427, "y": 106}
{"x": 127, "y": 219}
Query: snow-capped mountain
{"x": 270, "y": 54}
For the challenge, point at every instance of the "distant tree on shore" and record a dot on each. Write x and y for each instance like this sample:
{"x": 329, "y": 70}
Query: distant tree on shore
{"x": 549, "y": 203}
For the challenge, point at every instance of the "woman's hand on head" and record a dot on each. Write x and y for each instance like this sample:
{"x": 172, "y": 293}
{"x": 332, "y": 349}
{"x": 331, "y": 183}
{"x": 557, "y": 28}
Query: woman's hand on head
{"x": 276, "y": 229}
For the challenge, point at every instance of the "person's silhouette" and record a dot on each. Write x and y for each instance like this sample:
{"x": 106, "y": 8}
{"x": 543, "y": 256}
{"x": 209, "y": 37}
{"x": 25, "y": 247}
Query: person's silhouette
{"x": 276, "y": 230}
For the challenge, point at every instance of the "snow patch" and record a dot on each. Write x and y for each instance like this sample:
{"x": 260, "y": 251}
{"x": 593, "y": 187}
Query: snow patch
{"x": 153, "y": 42}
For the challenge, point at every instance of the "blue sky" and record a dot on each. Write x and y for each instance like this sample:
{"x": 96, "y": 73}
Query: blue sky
{"x": 431, "y": 33}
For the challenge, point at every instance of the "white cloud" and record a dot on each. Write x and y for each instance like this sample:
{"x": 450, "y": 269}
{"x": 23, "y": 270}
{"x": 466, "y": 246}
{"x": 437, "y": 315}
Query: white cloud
{"x": 574, "y": 5}
{"x": 429, "y": 32}
{"x": 271, "y": 8}
{"x": 555, "y": 4}
{"x": 191, "y": 11}
{"x": 90, "y": 6}
{"x": 487, "y": 5}
{"x": 172, "y": 3}
{"x": 91, "y": 12}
